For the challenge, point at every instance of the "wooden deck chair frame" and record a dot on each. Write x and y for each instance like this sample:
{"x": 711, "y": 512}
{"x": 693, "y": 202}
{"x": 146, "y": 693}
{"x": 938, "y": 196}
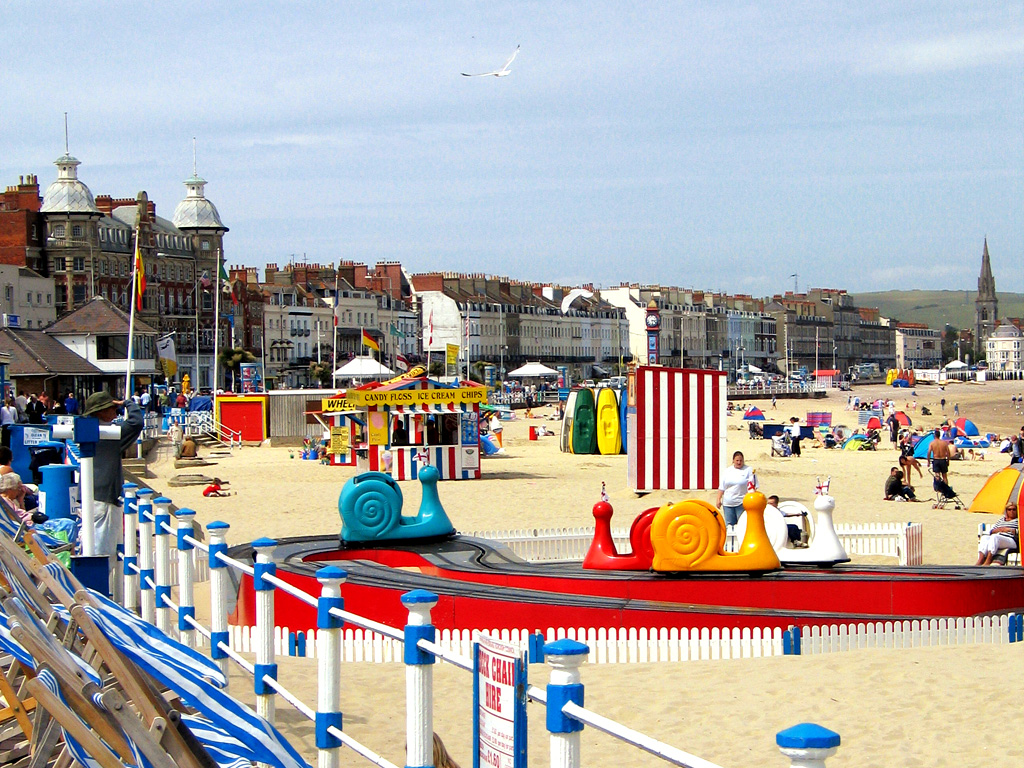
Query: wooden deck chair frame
{"x": 163, "y": 720}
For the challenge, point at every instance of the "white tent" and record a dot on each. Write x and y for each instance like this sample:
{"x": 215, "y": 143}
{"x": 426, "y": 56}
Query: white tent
{"x": 754, "y": 369}
{"x": 362, "y": 368}
{"x": 956, "y": 365}
{"x": 533, "y": 369}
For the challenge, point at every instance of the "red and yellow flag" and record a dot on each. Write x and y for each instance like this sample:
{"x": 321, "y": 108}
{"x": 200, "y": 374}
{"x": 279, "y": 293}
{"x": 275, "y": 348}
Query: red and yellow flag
{"x": 368, "y": 341}
{"x": 140, "y": 275}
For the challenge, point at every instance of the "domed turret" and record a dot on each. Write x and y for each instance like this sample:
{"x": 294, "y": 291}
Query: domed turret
{"x": 195, "y": 211}
{"x": 67, "y": 194}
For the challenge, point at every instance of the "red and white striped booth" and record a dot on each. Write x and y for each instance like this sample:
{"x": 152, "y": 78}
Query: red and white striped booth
{"x": 441, "y": 426}
{"x": 675, "y": 424}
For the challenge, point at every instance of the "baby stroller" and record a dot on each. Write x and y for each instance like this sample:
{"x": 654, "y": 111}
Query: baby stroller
{"x": 945, "y": 495}
{"x": 781, "y": 445}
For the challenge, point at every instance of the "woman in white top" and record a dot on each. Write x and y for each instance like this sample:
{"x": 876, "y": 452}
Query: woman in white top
{"x": 737, "y": 479}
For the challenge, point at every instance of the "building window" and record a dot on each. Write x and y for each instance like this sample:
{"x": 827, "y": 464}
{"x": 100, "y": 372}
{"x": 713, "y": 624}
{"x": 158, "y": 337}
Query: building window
{"x": 207, "y": 301}
{"x": 58, "y": 230}
{"x": 76, "y": 231}
{"x": 35, "y": 232}
{"x": 205, "y": 245}
{"x": 49, "y": 299}
{"x": 78, "y": 263}
{"x": 59, "y": 264}
{"x": 103, "y": 235}
{"x": 79, "y": 294}
{"x": 28, "y": 323}
{"x": 28, "y": 297}
{"x": 103, "y": 267}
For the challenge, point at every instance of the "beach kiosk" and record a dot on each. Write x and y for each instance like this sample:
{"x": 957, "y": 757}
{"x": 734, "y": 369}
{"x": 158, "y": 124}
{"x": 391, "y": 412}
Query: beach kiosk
{"x": 411, "y": 422}
{"x": 345, "y": 427}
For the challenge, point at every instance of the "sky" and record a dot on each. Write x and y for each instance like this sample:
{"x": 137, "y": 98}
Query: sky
{"x": 716, "y": 145}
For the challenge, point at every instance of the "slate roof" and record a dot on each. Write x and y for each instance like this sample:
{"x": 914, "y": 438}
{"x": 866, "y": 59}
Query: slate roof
{"x": 33, "y": 353}
{"x": 97, "y": 316}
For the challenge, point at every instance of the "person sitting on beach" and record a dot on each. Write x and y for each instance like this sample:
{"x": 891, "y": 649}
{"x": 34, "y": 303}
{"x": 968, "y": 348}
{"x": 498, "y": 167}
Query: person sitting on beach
{"x": 895, "y": 490}
{"x": 188, "y": 449}
{"x": 12, "y": 492}
{"x": 215, "y": 489}
{"x": 1005, "y": 534}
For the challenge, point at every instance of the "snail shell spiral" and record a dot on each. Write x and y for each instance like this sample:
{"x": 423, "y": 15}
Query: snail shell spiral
{"x": 370, "y": 507}
{"x": 687, "y": 533}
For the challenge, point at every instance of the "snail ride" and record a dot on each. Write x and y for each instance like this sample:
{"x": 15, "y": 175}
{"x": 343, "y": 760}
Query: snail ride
{"x": 677, "y": 573}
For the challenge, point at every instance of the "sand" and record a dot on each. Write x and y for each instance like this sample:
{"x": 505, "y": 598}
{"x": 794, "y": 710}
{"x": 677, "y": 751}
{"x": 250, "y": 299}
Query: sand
{"x": 923, "y": 707}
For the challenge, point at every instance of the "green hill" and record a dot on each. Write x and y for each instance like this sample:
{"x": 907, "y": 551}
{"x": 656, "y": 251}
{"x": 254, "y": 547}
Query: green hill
{"x": 936, "y": 308}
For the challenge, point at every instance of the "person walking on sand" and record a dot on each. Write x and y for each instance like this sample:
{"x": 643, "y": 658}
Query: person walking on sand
{"x": 956, "y": 410}
{"x": 939, "y": 454}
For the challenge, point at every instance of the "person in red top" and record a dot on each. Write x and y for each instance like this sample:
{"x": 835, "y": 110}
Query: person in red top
{"x": 215, "y": 489}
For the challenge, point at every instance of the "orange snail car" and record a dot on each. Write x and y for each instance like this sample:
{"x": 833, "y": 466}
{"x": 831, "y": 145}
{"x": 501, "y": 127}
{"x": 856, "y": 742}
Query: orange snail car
{"x": 690, "y": 536}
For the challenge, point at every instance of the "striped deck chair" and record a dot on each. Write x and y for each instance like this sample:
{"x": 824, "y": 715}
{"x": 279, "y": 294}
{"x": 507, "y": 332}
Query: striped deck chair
{"x": 138, "y": 654}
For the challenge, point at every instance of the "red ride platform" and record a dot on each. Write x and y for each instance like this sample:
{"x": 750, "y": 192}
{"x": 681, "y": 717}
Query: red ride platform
{"x": 483, "y": 585}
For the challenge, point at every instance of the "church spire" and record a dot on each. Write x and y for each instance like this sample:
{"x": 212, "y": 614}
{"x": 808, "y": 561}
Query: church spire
{"x": 986, "y": 282}
{"x": 986, "y": 305}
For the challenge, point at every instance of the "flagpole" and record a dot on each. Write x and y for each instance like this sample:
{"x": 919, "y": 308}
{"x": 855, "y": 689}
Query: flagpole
{"x": 334, "y": 332}
{"x": 131, "y": 319}
{"x": 216, "y": 327}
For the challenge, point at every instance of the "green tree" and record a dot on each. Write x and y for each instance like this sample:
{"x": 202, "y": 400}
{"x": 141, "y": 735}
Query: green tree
{"x": 320, "y": 372}
{"x": 231, "y": 359}
{"x": 949, "y": 337}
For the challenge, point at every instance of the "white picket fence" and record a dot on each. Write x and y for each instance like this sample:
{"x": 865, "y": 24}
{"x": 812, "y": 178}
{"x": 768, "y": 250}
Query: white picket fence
{"x": 641, "y": 646}
{"x": 905, "y": 542}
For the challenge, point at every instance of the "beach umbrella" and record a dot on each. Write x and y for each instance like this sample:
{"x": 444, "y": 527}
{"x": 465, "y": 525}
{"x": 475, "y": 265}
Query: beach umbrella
{"x": 966, "y": 427}
{"x": 1002, "y": 486}
{"x": 903, "y": 419}
{"x": 874, "y": 423}
{"x": 753, "y": 414}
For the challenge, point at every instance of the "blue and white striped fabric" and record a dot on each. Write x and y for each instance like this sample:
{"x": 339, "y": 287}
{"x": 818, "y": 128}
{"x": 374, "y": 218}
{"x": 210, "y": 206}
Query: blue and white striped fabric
{"x": 16, "y": 587}
{"x": 9, "y": 645}
{"x": 61, "y": 575}
{"x": 131, "y": 635}
{"x": 137, "y": 640}
{"x": 82, "y": 757}
{"x": 45, "y": 636}
{"x": 226, "y": 751}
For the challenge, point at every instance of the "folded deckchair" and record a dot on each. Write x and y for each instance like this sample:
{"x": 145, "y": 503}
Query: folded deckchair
{"x": 137, "y": 654}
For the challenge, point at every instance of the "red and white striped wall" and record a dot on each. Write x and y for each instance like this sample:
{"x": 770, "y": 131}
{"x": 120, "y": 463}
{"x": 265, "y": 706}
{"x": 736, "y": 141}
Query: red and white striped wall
{"x": 676, "y": 433}
{"x": 405, "y": 463}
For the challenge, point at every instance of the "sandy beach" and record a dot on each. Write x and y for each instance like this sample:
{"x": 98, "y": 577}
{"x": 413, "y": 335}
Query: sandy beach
{"x": 926, "y": 707}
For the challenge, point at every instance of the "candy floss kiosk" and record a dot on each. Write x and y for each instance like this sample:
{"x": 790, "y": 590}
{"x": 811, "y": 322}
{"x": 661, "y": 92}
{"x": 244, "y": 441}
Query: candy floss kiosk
{"x": 415, "y": 422}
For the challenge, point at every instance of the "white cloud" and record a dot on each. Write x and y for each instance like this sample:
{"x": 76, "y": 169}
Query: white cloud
{"x": 949, "y": 53}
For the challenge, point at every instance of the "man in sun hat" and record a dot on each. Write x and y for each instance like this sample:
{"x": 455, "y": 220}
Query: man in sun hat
{"x": 108, "y": 477}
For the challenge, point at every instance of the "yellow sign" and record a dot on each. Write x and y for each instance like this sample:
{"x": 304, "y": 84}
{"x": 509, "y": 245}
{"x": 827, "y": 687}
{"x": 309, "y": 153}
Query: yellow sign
{"x": 452, "y": 354}
{"x": 339, "y": 440}
{"x": 378, "y": 427}
{"x": 334, "y": 404}
{"x": 415, "y": 396}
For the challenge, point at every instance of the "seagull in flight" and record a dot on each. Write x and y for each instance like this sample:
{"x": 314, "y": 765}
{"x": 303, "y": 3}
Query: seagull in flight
{"x": 498, "y": 72}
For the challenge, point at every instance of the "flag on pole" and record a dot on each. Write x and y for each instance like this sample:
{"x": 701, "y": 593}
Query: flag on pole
{"x": 368, "y": 341}
{"x": 140, "y": 275}
{"x": 430, "y": 331}
{"x": 401, "y": 362}
{"x": 204, "y": 280}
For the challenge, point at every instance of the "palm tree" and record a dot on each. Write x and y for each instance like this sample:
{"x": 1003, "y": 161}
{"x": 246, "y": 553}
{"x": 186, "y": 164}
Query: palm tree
{"x": 320, "y": 372}
{"x": 231, "y": 359}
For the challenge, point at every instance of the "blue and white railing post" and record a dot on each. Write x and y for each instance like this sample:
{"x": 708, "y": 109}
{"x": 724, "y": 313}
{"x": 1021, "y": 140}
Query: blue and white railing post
{"x": 565, "y": 658}
{"x": 220, "y": 586}
{"x": 419, "y": 680}
{"x": 807, "y": 745}
{"x": 146, "y": 559}
{"x": 130, "y": 596}
{"x": 186, "y": 577}
{"x": 264, "y": 639}
{"x": 162, "y": 589}
{"x": 328, "y": 652}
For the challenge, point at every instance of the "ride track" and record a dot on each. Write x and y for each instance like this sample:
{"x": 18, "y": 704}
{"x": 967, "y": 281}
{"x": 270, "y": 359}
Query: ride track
{"x": 482, "y": 585}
